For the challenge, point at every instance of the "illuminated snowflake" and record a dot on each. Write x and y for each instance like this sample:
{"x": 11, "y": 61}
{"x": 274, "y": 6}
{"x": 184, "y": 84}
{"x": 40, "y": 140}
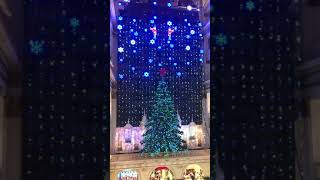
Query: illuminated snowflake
{"x": 250, "y": 5}
{"x": 36, "y": 47}
{"x": 74, "y": 23}
{"x": 221, "y": 40}
{"x": 120, "y": 49}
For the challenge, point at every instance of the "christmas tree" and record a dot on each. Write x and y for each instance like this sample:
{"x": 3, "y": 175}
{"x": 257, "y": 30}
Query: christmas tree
{"x": 163, "y": 133}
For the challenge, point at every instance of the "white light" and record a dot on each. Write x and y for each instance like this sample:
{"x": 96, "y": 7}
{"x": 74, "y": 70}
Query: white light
{"x": 133, "y": 42}
{"x": 119, "y": 27}
{"x": 187, "y": 48}
{"x": 192, "y": 32}
{"x": 120, "y": 49}
{"x": 189, "y": 8}
{"x": 169, "y": 23}
{"x": 152, "y": 41}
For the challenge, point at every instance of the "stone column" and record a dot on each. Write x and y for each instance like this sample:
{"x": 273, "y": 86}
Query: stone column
{"x": 2, "y": 137}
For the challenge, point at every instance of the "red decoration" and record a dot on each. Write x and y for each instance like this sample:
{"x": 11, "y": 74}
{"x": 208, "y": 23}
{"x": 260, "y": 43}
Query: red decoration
{"x": 170, "y": 31}
{"x": 163, "y": 72}
{"x": 154, "y": 31}
{"x": 162, "y": 168}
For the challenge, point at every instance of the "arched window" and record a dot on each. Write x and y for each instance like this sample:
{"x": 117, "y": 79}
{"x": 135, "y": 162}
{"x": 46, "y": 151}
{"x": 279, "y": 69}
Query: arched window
{"x": 193, "y": 172}
{"x": 127, "y": 174}
{"x": 161, "y": 172}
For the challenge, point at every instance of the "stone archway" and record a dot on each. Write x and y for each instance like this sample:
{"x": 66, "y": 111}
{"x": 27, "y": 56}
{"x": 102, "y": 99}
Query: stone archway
{"x": 162, "y": 173}
{"x": 193, "y": 172}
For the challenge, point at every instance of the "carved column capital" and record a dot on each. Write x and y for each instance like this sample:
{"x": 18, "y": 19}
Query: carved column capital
{"x": 4, "y": 8}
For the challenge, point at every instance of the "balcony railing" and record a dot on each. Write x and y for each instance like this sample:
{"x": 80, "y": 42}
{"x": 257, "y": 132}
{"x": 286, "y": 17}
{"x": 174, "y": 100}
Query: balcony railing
{"x": 140, "y": 156}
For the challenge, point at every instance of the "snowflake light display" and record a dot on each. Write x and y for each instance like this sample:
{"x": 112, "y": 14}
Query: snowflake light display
{"x": 152, "y": 40}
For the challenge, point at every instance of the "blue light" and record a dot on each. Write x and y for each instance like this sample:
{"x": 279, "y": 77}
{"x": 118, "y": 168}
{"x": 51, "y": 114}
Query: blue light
{"x": 188, "y": 48}
{"x": 120, "y": 4}
{"x": 169, "y": 4}
{"x": 133, "y": 42}
{"x": 133, "y": 68}
{"x": 189, "y": 24}
{"x": 155, "y": 17}
{"x": 146, "y": 74}
{"x": 120, "y": 18}
{"x": 131, "y": 30}
{"x": 200, "y": 24}
{"x": 201, "y": 51}
{"x": 185, "y": 20}
{"x": 188, "y": 63}
{"x": 175, "y": 64}
{"x": 134, "y": 51}
{"x": 136, "y": 33}
{"x": 179, "y": 74}
{"x": 170, "y": 58}
{"x": 188, "y": 36}
{"x": 119, "y": 27}
{"x": 160, "y": 64}
{"x": 169, "y": 23}
{"x": 192, "y": 32}
{"x": 200, "y": 35}
{"x": 121, "y": 60}
{"x": 134, "y": 20}
{"x": 145, "y": 30}
{"x": 168, "y": 42}
{"x": 155, "y": 3}
{"x": 151, "y": 21}
{"x": 171, "y": 45}
{"x": 189, "y": 8}
{"x": 126, "y": 0}
{"x": 201, "y": 60}
{"x": 121, "y": 76}
{"x": 159, "y": 47}
{"x": 150, "y": 60}
{"x": 152, "y": 41}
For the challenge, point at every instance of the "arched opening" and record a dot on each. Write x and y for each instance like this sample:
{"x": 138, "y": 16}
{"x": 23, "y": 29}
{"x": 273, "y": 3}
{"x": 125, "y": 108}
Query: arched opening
{"x": 193, "y": 172}
{"x": 127, "y": 174}
{"x": 161, "y": 173}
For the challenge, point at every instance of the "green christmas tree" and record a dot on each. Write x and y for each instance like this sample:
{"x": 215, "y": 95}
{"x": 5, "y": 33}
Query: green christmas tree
{"x": 163, "y": 133}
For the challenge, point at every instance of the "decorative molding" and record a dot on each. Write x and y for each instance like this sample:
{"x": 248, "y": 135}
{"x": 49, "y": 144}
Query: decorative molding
{"x": 4, "y": 8}
{"x": 8, "y": 56}
{"x": 309, "y": 73}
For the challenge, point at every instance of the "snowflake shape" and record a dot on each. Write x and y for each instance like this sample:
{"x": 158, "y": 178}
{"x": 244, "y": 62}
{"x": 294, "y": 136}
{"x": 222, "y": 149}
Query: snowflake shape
{"x": 74, "y": 23}
{"x": 250, "y": 5}
{"x": 36, "y": 47}
{"x": 146, "y": 74}
{"x": 152, "y": 41}
{"x": 221, "y": 40}
{"x": 120, "y": 49}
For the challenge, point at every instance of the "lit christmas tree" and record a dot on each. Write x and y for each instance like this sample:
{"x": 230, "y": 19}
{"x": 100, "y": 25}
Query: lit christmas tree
{"x": 163, "y": 133}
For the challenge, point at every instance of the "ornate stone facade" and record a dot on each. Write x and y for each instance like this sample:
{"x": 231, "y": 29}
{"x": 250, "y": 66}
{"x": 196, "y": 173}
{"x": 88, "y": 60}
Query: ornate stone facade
{"x": 144, "y": 166}
{"x": 128, "y": 139}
